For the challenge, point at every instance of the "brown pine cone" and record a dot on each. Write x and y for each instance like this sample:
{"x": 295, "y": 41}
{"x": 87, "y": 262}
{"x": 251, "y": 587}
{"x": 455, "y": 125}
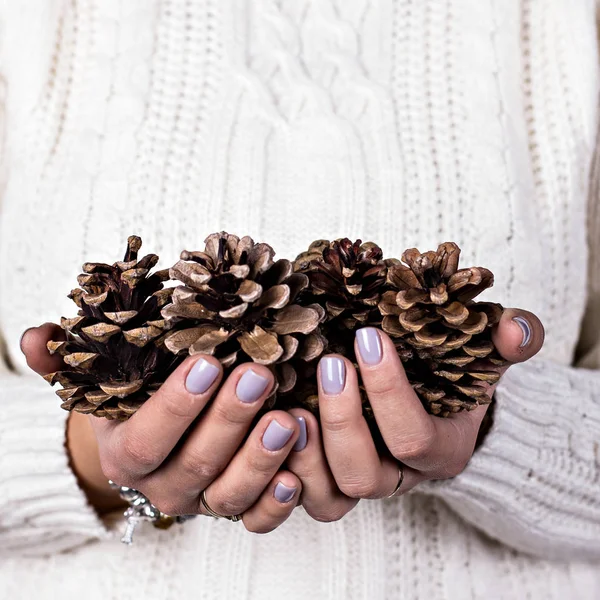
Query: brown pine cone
{"x": 114, "y": 355}
{"x": 238, "y": 304}
{"x": 442, "y": 335}
{"x": 346, "y": 278}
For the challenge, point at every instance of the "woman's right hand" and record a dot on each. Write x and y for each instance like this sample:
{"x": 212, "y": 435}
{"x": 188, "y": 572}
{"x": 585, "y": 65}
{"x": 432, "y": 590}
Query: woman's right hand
{"x": 175, "y": 446}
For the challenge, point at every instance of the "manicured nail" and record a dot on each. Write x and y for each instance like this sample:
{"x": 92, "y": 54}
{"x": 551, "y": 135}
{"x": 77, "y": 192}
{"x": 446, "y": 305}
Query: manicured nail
{"x": 369, "y": 345}
{"x": 333, "y": 374}
{"x": 201, "y": 376}
{"x": 303, "y": 437}
{"x": 276, "y": 436}
{"x": 251, "y": 386}
{"x": 283, "y": 493}
{"x": 523, "y": 323}
{"x": 22, "y": 336}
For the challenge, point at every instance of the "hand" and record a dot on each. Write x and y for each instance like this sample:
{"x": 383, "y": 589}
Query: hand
{"x": 428, "y": 447}
{"x": 177, "y": 445}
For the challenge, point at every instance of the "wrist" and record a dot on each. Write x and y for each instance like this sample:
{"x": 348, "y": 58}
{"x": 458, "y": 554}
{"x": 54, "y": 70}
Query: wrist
{"x": 84, "y": 460}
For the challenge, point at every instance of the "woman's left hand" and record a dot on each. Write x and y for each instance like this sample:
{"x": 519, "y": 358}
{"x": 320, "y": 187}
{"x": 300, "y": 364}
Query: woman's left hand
{"x": 340, "y": 463}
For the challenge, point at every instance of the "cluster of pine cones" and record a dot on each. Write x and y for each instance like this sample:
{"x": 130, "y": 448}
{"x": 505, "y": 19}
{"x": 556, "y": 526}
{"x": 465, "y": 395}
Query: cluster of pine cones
{"x": 234, "y": 301}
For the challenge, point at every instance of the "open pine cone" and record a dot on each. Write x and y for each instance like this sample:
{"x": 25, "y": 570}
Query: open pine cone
{"x": 238, "y": 304}
{"x": 442, "y": 335}
{"x": 114, "y": 356}
{"x": 346, "y": 278}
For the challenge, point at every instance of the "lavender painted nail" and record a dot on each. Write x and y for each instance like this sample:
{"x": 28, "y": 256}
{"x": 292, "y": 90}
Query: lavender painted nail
{"x": 283, "y": 493}
{"x": 333, "y": 374}
{"x": 523, "y": 323}
{"x": 201, "y": 376}
{"x": 276, "y": 436}
{"x": 369, "y": 345}
{"x": 303, "y": 437}
{"x": 251, "y": 386}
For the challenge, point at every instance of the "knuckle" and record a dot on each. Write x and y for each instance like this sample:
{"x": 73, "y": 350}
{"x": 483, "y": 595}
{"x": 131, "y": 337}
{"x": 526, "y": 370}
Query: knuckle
{"x": 368, "y": 489}
{"x": 414, "y": 448}
{"x": 259, "y": 527}
{"x": 139, "y": 453}
{"x": 228, "y": 412}
{"x": 170, "y": 506}
{"x": 176, "y": 405}
{"x": 229, "y": 506}
{"x": 196, "y": 467}
{"x": 112, "y": 470}
{"x": 328, "y": 515}
{"x": 453, "y": 469}
{"x": 336, "y": 421}
{"x": 260, "y": 464}
{"x": 382, "y": 384}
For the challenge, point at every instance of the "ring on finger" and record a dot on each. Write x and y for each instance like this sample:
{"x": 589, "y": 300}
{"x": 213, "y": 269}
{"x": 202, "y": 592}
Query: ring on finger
{"x": 212, "y": 513}
{"x": 400, "y": 480}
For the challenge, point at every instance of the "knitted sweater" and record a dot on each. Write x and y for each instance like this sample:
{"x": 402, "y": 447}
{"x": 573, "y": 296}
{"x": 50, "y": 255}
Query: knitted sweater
{"x": 406, "y": 123}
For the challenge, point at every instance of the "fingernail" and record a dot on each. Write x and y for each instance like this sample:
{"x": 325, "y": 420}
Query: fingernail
{"x": 369, "y": 345}
{"x": 333, "y": 374}
{"x": 303, "y": 437}
{"x": 276, "y": 436}
{"x": 523, "y": 323}
{"x": 251, "y": 386}
{"x": 201, "y": 376}
{"x": 283, "y": 493}
{"x": 22, "y": 336}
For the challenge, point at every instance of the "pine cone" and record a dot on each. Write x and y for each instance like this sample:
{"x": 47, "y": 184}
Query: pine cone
{"x": 442, "y": 335}
{"x": 346, "y": 278}
{"x": 238, "y": 304}
{"x": 113, "y": 353}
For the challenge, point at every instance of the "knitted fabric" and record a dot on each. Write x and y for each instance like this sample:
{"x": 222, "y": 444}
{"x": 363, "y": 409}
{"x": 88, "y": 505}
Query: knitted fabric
{"x": 406, "y": 123}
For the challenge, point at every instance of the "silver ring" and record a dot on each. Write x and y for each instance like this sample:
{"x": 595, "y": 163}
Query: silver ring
{"x": 400, "y": 480}
{"x": 216, "y": 515}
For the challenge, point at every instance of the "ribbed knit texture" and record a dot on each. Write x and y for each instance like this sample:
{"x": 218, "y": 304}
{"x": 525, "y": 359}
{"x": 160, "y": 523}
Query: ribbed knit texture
{"x": 407, "y": 123}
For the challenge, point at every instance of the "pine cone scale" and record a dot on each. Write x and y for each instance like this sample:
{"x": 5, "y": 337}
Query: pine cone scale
{"x": 112, "y": 351}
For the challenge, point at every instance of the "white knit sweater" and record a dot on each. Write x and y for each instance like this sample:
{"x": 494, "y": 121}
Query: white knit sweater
{"x": 404, "y": 122}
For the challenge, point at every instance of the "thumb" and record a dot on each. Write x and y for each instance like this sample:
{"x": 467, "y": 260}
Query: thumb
{"x": 519, "y": 335}
{"x": 33, "y": 345}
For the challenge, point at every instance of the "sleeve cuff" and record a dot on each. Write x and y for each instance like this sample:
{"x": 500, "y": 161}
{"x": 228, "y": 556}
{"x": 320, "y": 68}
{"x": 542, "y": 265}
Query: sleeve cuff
{"x": 534, "y": 483}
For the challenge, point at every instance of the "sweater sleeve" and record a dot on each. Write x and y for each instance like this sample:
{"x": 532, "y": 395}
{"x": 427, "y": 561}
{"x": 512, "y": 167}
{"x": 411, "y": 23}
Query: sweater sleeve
{"x": 42, "y": 508}
{"x": 534, "y": 483}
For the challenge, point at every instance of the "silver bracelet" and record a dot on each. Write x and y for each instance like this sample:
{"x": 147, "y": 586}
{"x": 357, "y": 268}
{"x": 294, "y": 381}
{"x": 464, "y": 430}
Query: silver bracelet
{"x": 141, "y": 509}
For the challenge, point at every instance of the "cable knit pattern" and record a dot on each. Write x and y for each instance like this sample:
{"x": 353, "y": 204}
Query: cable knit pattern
{"x": 408, "y": 123}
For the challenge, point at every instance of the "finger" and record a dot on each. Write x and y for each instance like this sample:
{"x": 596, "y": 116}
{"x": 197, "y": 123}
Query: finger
{"x": 33, "y": 345}
{"x": 275, "y": 504}
{"x": 436, "y": 447}
{"x": 139, "y": 446}
{"x": 355, "y": 464}
{"x": 519, "y": 335}
{"x": 321, "y": 497}
{"x": 412, "y": 435}
{"x": 216, "y": 437}
{"x": 454, "y": 443}
{"x": 253, "y": 467}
